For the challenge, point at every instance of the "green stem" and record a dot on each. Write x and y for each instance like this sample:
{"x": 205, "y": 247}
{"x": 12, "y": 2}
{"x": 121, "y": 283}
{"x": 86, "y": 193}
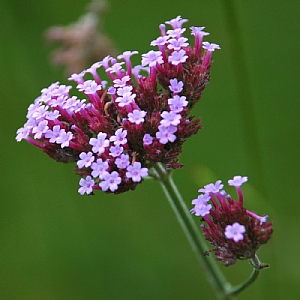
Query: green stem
{"x": 192, "y": 232}
{"x": 257, "y": 267}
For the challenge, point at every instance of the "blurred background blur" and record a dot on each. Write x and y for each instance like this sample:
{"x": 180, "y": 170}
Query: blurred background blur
{"x": 58, "y": 245}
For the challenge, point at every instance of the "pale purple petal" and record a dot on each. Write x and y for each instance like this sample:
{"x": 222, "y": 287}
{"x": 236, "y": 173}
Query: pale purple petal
{"x": 120, "y": 137}
{"x": 212, "y": 188}
{"x": 147, "y": 139}
{"x": 177, "y": 57}
{"x": 85, "y": 160}
{"x": 86, "y": 185}
{"x": 152, "y": 58}
{"x": 110, "y": 181}
{"x": 100, "y": 143}
{"x": 136, "y": 172}
{"x": 166, "y": 134}
{"x": 237, "y": 180}
{"x": 235, "y": 231}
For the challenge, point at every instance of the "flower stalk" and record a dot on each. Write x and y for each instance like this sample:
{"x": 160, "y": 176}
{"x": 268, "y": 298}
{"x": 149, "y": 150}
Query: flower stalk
{"x": 257, "y": 267}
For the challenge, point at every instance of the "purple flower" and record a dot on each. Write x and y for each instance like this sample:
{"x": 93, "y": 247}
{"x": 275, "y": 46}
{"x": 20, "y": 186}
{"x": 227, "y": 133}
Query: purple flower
{"x": 166, "y": 134}
{"x": 61, "y": 90}
{"x": 106, "y": 60}
{"x": 178, "y": 57}
{"x": 262, "y": 219}
{"x": 160, "y": 41}
{"x": 111, "y": 90}
{"x": 199, "y": 34}
{"x": 49, "y": 89}
{"x": 176, "y": 33}
{"x": 121, "y": 82}
{"x": 119, "y": 138}
{"x": 212, "y": 188}
{"x": 22, "y": 133}
{"x": 198, "y": 31}
{"x": 70, "y": 102}
{"x": 115, "y": 68}
{"x": 86, "y": 160}
{"x": 237, "y": 181}
{"x": 100, "y": 143}
{"x": 176, "y": 22}
{"x": 56, "y": 101}
{"x": 93, "y": 70}
{"x": 137, "y": 116}
{"x": 177, "y": 44}
{"x": 202, "y": 199}
{"x": 78, "y": 77}
{"x": 40, "y": 112}
{"x": 235, "y": 231}
{"x": 201, "y": 209}
{"x": 175, "y": 86}
{"x": 123, "y": 161}
{"x": 99, "y": 168}
{"x": 116, "y": 151}
{"x": 86, "y": 185}
{"x": 152, "y": 58}
{"x": 127, "y": 54}
{"x": 124, "y": 90}
{"x": 64, "y": 138}
{"x": 53, "y": 134}
{"x": 170, "y": 118}
{"x": 110, "y": 181}
{"x": 52, "y": 115}
{"x": 210, "y": 46}
{"x": 177, "y": 103}
{"x": 136, "y": 172}
{"x": 89, "y": 87}
{"x": 40, "y": 129}
{"x": 147, "y": 139}
{"x": 125, "y": 99}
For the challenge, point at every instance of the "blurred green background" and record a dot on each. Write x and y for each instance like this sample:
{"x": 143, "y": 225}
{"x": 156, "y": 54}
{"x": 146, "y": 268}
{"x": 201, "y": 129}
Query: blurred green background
{"x": 58, "y": 245}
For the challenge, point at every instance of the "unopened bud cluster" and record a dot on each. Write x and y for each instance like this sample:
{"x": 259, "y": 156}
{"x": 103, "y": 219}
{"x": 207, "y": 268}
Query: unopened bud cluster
{"x": 131, "y": 118}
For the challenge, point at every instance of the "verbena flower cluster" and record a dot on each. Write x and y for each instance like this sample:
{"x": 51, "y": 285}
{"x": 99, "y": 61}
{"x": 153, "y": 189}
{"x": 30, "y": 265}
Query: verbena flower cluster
{"x": 132, "y": 118}
{"x": 235, "y": 233}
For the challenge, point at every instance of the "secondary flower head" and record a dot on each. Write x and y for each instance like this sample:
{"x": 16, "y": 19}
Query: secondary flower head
{"x": 234, "y": 231}
{"x": 130, "y": 117}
